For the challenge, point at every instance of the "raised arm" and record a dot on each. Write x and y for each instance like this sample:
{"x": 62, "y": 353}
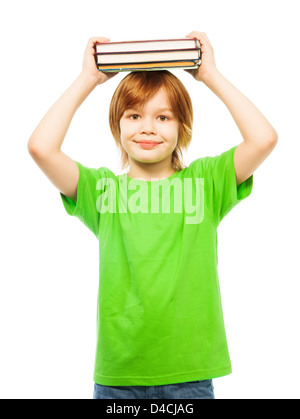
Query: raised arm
{"x": 259, "y": 136}
{"x": 46, "y": 140}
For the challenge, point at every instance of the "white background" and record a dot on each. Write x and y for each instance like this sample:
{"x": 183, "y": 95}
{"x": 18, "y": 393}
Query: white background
{"x": 49, "y": 260}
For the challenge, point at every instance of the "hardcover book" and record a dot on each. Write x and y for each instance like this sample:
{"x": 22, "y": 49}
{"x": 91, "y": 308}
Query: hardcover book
{"x": 148, "y": 55}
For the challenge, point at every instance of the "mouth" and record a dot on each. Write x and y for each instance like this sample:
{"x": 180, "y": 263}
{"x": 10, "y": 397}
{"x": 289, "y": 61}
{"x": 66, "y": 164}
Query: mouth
{"x": 148, "y": 144}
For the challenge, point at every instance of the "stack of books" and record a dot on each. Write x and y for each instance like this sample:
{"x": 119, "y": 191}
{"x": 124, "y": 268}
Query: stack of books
{"x": 149, "y": 55}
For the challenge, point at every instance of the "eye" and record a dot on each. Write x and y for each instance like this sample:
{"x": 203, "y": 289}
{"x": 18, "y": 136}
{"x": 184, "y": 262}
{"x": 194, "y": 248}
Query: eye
{"x": 162, "y": 116}
{"x": 133, "y": 117}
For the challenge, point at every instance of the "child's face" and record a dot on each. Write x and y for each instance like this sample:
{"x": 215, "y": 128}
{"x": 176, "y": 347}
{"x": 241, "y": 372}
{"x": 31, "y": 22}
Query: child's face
{"x": 154, "y": 123}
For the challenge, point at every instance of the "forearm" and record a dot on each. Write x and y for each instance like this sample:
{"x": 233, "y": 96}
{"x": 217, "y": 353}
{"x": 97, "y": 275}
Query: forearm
{"x": 253, "y": 126}
{"x": 50, "y": 132}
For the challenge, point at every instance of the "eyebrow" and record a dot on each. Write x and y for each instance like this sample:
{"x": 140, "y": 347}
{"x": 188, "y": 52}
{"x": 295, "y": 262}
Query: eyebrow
{"x": 165, "y": 109}
{"x": 158, "y": 110}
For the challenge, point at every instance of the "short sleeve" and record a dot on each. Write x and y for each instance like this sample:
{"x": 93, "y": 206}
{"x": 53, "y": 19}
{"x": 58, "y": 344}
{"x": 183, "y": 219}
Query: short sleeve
{"x": 226, "y": 193}
{"x": 85, "y": 207}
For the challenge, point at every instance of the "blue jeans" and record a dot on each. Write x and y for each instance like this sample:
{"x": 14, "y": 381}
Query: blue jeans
{"x": 202, "y": 389}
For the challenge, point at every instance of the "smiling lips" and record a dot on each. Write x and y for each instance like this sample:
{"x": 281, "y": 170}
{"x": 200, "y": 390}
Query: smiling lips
{"x": 147, "y": 144}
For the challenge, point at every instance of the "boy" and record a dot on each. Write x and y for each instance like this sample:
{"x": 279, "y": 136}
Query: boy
{"x": 160, "y": 324}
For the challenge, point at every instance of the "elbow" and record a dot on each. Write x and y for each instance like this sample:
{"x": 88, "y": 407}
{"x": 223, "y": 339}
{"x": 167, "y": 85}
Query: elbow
{"x": 271, "y": 139}
{"x": 266, "y": 140}
{"x": 274, "y": 138}
{"x": 36, "y": 149}
{"x": 32, "y": 147}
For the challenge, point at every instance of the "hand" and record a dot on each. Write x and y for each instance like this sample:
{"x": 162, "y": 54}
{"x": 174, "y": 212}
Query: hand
{"x": 89, "y": 66}
{"x": 208, "y": 64}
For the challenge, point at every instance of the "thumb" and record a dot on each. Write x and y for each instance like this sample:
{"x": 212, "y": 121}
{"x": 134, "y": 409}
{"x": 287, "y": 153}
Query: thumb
{"x": 189, "y": 71}
{"x": 112, "y": 74}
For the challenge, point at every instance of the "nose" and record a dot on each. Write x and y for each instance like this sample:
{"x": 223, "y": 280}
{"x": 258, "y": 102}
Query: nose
{"x": 148, "y": 126}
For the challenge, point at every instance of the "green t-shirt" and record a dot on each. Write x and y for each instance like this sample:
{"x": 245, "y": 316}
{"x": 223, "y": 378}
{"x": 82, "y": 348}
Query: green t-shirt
{"x": 159, "y": 316}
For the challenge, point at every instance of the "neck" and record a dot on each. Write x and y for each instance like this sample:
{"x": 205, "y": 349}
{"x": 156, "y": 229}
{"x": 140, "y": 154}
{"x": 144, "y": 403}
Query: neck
{"x": 150, "y": 171}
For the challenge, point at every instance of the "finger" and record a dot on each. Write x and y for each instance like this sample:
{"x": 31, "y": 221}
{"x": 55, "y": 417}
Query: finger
{"x": 198, "y": 36}
{"x": 197, "y": 33}
{"x": 95, "y": 39}
{"x": 206, "y": 38}
{"x": 99, "y": 38}
{"x": 201, "y": 36}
